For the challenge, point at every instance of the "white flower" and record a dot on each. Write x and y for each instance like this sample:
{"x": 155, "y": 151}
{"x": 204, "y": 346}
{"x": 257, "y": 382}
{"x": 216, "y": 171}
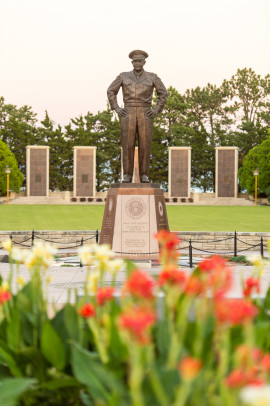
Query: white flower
{"x": 103, "y": 252}
{"x": 19, "y": 255}
{"x": 86, "y": 255}
{"x": 256, "y": 395}
{"x": 115, "y": 265}
{"x": 255, "y": 259}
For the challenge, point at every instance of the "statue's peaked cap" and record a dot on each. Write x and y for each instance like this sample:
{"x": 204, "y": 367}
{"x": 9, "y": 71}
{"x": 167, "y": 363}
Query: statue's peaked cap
{"x": 138, "y": 53}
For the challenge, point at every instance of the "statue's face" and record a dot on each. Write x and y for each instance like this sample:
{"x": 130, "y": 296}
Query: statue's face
{"x": 138, "y": 64}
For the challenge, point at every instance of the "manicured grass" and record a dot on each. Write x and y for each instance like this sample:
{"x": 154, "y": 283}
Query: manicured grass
{"x": 181, "y": 218}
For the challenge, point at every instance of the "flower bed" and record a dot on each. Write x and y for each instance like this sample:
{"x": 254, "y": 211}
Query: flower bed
{"x": 198, "y": 349}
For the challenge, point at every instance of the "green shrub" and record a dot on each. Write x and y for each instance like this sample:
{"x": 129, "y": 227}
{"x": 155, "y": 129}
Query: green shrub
{"x": 7, "y": 158}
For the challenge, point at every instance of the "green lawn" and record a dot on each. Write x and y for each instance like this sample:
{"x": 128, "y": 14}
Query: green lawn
{"x": 181, "y": 218}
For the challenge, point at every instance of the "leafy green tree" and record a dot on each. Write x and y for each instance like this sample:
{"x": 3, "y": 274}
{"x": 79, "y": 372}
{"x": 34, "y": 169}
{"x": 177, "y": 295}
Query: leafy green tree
{"x": 249, "y": 94}
{"x": 17, "y": 130}
{"x": 7, "y": 159}
{"x": 257, "y": 158}
{"x": 61, "y": 159}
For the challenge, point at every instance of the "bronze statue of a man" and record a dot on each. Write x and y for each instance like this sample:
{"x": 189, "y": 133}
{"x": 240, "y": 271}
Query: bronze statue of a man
{"x": 137, "y": 114}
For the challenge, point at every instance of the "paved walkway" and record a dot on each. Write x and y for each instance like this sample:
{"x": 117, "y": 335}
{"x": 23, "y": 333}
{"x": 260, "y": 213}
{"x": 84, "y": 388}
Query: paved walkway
{"x": 67, "y": 278}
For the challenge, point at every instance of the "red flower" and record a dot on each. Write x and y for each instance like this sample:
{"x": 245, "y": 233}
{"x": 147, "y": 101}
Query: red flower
{"x": 140, "y": 284}
{"x": 251, "y": 284}
{"x": 172, "y": 276}
{"x": 190, "y": 367}
{"x": 137, "y": 322}
{"x": 234, "y": 311}
{"x": 265, "y": 362}
{"x": 5, "y": 296}
{"x": 104, "y": 295}
{"x": 239, "y": 378}
{"x": 87, "y": 310}
{"x": 167, "y": 240}
{"x": 212, "y": 264}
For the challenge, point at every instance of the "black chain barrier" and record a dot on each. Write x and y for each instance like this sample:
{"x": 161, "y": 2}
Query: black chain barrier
{"x": 95, "y": 236}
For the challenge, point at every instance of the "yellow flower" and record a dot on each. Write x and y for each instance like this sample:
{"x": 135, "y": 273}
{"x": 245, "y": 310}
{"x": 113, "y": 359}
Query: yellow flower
{"x": 7, "y": 245}
{"x": 48, "y": 279}
{"x": 20, "y": 281}
{"x": 41, "y": 255}
{"x": 5, "y": 286}
{"x": 92, "y": 281}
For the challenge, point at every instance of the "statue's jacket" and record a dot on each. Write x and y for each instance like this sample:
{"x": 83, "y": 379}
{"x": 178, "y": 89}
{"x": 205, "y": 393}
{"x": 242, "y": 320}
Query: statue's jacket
{"x": 137, "y": 92}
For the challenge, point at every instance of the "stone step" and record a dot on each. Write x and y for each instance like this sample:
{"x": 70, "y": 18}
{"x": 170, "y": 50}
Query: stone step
{"x": 226, "y": 201}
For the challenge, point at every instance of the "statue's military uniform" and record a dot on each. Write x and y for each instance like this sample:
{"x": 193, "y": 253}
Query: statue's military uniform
{"x": 137, "y": 95}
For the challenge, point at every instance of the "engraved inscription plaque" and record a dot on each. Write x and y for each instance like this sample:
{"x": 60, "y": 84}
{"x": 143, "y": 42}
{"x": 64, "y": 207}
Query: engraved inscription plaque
{"x": 133, "y": 214}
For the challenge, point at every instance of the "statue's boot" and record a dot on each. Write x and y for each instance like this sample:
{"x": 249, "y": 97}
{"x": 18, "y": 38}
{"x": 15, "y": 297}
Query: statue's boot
{"x": 127, "y": 179}
{"x": 144, "y": 179}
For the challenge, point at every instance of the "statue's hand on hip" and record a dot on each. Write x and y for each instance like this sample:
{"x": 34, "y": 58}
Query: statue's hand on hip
{"x": 151, "y": 113}
{"x": 121, "y": 112}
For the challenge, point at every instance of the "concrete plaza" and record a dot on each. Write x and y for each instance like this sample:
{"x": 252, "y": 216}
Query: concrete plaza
{"x": 71, "y": 278}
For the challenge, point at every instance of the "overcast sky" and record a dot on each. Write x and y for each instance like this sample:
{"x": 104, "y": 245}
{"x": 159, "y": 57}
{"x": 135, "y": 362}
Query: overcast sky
{"x": 61, "y": 55}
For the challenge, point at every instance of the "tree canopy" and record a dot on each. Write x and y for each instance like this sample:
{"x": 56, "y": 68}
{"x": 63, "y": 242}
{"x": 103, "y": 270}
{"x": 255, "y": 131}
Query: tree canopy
{"x": 236, "y": 113}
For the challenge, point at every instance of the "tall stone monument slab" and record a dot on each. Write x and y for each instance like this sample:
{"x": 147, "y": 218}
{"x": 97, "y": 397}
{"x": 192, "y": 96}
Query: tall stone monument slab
{"x": 37, "y": 170}
{"x": 226, "y": 171}
{"x": 84, "y": 171}
{"x": 133, "y": 214}
{"x": 179, "y": 171}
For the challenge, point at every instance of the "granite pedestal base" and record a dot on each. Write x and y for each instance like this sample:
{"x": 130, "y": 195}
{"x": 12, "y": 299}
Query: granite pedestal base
{"x": 134, "y": 212}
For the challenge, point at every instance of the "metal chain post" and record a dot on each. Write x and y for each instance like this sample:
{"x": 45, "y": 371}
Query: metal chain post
{"x": 190, "y": 254}
{"x": 33, "y": 238}
{"x": 262, "y": 247}
{"x": 97, "y": 237}
{"x": 80, "y": 260}
{"x": 235, "y": 244}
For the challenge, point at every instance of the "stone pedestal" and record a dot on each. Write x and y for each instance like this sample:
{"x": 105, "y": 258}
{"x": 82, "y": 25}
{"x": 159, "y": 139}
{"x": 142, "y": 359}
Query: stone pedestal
{"x": 37, "y": 170}
{"x": 179, "y": 171}
{"x": 84, "y": 171}
{"x": 134, "y": 212}
{"x": 226, "y": 171}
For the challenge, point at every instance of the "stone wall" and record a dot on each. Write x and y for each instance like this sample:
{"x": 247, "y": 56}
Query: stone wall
{"x": 217, "y": 241}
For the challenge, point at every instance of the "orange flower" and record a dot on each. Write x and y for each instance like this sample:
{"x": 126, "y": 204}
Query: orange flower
{"x": 194, "y": 286}
{"x": 104, "y": 295}
{"x": 5, "y": 295}
{"x": 190, "y": 367}
{"x": 219, "y": 281}
{"x": 87, "y": 310}
{"x": 212, "y": 264}
{"x": 167, "y": 239}
{"x": 168, "y": 246}
{"x": 239, "y": 378}
{"x": 138, "y": 322}
{"x": 140, "y": 285}
{"x": 172, "y": 276}
{"x": 234, "y": 311}
{"x": 251, "y": 284}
